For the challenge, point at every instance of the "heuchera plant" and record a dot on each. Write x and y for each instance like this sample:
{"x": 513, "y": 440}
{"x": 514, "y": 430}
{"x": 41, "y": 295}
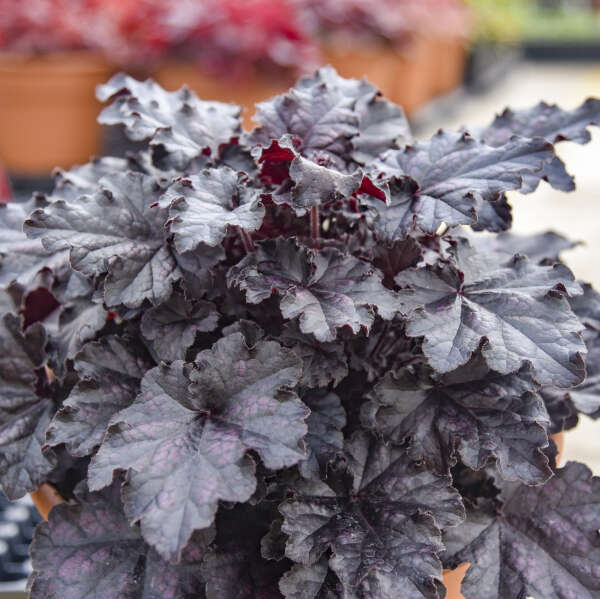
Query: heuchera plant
{"x": 224, "y": 36}
{"x": 124, "y": 31}
{"x": 235, "y": 39}
{"x": 284, "y": 364}
{"x": 395, "y": 21}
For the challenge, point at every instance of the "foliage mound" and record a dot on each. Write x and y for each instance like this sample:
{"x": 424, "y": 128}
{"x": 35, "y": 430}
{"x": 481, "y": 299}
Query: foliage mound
{"x": 288, "y": 363}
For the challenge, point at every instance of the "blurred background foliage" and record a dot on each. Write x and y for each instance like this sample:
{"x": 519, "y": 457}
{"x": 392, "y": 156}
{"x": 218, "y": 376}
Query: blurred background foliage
{"x": 513, "y": 21}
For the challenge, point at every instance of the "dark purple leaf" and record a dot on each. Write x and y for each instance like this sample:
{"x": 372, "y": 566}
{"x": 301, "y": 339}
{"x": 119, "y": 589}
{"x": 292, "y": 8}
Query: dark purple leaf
{"x": 586, "y": 397}
{"x": 494, "y": 216}
{"x": 383, "y": 126}
{"x": 69, "y": 327}
{"x": 545, "y": 120}
{"x": 250, "y": 330}
{"x": 447, "y": 178}
{"x": 309, "y": 582}
{"x": 238, "y": 158}
{"x": 272, "y": 545}
{"x": 396, "y": 216}
{"x": 385, "y": 349}
{"x": 587, "y": 308}
{"x": 319, "y": 112}
{"x": 111, "y": 370}
{"x": 204, "y": 206}
{"x": 257, "y": 402}
{"x": 183, "y": 124}
{"x": 6, "y": 303}
{"x": 515, "y": 310}
{"x": 551, "y": 123}
{"x": 174, "y": 455}
{"x": 333, "y": 119}
{"x": 326, "y": 289}
{"x": 522, "y": 549}
{"x": 172, "y": 327}
{"x": 381, "y": 523}
{"x": 306, "y": 183}
{"x": 316, "y": 185}
{"x": 22, "y": 259}
{"x": 395, "y": 258}
{"x": 497, "y": 417}
{"x": 197, "y": 268}
{"x": 372, "y": 111}
{"x": 237, "y": 572}
{"x": 162, "y": 166}
{"x": 560, "y": 408}
{"x": 564, "y": 405}
{"x": 23, "y": 415}
{"x": 538, "y": 247}
{"x": 72, "y": 286}
{"x": 88, "y": 549}
{"x": 37, "y": 306}
{"x": 555, "y": 173}
{"x": 118, "y": 232}
{"x": 324, "y": 440}
{"x": 322, "y": 363}
{"x": 185, "y": 444}
{"x": 83, "y": 180}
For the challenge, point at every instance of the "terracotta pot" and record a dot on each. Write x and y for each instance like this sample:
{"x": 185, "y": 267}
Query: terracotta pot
{"x": 379, "y": 64}
{"x": 46, "y": 497}
{"x": 415, "y": 80}
{"x": 48, "y": 110}
{"x": 559, "y": 439}
{"x": 453, "y": 580}
{"x": 255, "y": 87}
{"x": 451, "y": 61}
{"x": 403, "y": 76}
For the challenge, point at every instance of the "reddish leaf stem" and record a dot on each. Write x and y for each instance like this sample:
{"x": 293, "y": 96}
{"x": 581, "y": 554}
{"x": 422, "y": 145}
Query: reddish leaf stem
{"x": 246, "y": 240}
{"x": 315, "y": 225}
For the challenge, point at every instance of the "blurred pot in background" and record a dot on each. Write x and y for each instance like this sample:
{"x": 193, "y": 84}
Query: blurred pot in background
{"x": 48, "y": 110}
{"x": 412, "y": 50}
{"x": 237, "y": 52}
{"x": 53, "y": 53}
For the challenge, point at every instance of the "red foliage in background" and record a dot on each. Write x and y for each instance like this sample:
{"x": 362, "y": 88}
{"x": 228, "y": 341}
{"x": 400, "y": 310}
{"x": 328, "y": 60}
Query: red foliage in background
{"x": 125, "y": 30}
{"x": 224, "y": 35}
{"x": 394, "y": 20}
{"x": 134, "y": 32}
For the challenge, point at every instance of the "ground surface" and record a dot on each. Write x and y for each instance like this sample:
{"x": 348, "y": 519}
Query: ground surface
{"x": 576, "y": 215}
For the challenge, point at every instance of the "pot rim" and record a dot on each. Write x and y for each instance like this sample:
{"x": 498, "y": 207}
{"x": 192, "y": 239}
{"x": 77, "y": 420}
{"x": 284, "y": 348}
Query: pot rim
{"x": 67, "y": 63}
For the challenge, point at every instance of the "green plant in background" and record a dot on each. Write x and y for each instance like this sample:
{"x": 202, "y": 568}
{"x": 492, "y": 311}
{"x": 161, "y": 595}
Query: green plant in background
{"x": 511, "y": 21}
{"x": 497, "y": 20}
{"x": 575, "y": 24}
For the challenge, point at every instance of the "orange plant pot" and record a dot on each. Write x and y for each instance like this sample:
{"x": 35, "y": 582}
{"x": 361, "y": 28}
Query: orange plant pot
{"x": 416, "y": 77}
{"x": 453, "y": 581}
{"x": 46, "y": 497}
{"x": 48, "y": 110}
{"x": 451, "y": 61}
{"x": 255, "y": 87}
{"x": 403, "y": 76}
{"x": 379, "y": 64}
